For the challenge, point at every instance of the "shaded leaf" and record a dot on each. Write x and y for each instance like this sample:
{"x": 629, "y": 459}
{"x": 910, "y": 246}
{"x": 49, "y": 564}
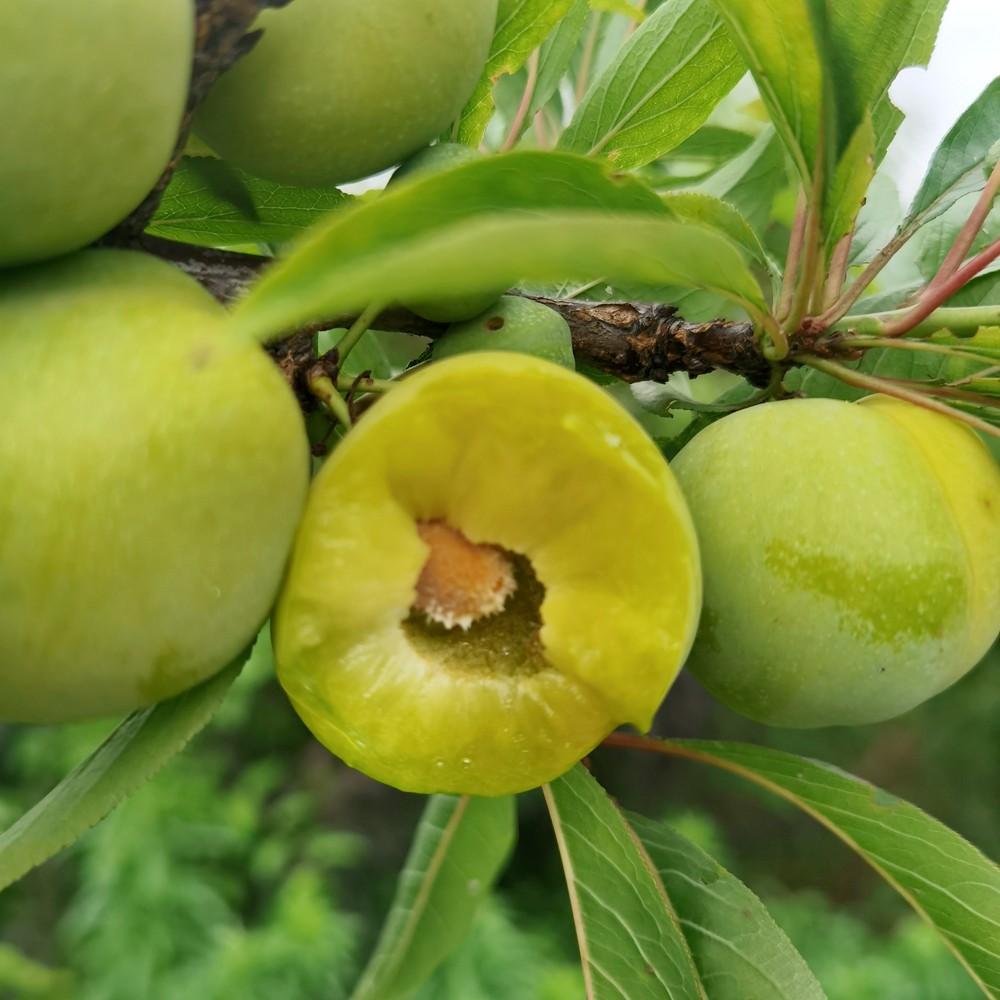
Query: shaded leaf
{"x": 459, "y": 849}
{"x": 131, "y": 755}
{"x": 630, "y": 941}
{"x": 522, "y": 25}
{"x": 556, "y": 54}
{"x": 211, "y": 203}
{"x": 850, "y": 184}
{"x": 739, "y": 950}
{"x": 750, "y": 181}
{"x": 665, "y": 81}
{"x": 942, "y": 876}
{"x": 487, "y": 224}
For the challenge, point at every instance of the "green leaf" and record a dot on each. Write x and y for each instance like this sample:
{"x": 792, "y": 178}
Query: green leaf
{"x": 956, "y": 167}
{"x": 522, "y": 25}
{"x": 943, "y": 877}
{"x": 131, "y": 755}
{"x": 630, "y": 941}
{"x": 739, "y": 950}
{"x": 210, "y": 203}
{"x": 777, "y": 43}
{"x": 663, "y": 84}
{"x": 720, "y": 215}
{"x": 523, "y": 216}
{"x": 459, "y": 849}
{"x": 919, "y": 27}
{"x": 851, "y": 181}
{"x": 555, "y": 56}
{"x": 750, "y": 181}
{"x": 863, "y": 71}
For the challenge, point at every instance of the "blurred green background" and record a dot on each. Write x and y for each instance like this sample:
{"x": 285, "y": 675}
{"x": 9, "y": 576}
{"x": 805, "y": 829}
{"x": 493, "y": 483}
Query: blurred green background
{"x": 257, "y": 865}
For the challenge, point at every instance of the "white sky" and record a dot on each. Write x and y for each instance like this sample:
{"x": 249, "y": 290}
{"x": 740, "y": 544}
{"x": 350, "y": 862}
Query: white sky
{"x": 965, "y": 60}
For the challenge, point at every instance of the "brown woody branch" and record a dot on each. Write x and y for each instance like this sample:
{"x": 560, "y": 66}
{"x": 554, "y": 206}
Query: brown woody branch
{"x": 633, "y": 341}
{"x": 630, "y": 340}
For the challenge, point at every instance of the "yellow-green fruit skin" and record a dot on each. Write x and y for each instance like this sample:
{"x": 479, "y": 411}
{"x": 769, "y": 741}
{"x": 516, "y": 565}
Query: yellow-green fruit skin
{"x": 152, "y": 471}
{"x": 91, "y": 99}
{"x": 335, "y": 91}
{"x": 521, "y": 453}
{"x": 851, "y": 555}
{"x": 512, "y": 323}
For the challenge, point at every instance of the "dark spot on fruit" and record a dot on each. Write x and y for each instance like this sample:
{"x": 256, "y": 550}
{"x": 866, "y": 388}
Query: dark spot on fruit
{"x": 495, "y": 323}
{"x": 201, "y": 356}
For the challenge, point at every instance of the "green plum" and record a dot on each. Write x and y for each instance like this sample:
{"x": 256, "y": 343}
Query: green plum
{"x": 494, "y": 570}
{"x": 91, "y": 99}
{"x": 336, "y": 91}
{"x": 432, "y": 160}
{"x": 153, "y": 466}
{"x": 513, "y": 323}
{"x": 851, "y": 555}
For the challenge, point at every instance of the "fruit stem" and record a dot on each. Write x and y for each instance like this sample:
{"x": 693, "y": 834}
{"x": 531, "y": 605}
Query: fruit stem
{"x": 323, "y": 388}
{"x": 904, "y": 343}
{"x": 358, "y": 329}
{"x": 959, "y": 319}
{"x": 517, "y": 126}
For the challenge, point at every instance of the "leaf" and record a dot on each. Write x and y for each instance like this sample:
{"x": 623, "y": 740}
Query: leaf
{"x": 523, "y": 216}
{"x": 630, "y": 941}
{"x": 131, "y": 755}
{"x": 956, "y": 167}
{"x": 522, "y": 25}
{"x": 459, "y": 849}
{"x": 777, "y": 43}
{"x": 750, "y": 181}
{"x": 739, "y": 950}
{"x": 942, "y": 876}
{"x": 920, "y": 29}
{"x": 720, "y": 215}
{"x": 663, "y": 84}
{"x": 851, "y": 181}
{"x": 210, "y": 203}
{"x": 863, "y": 71}
{"x": 555, "y": 56}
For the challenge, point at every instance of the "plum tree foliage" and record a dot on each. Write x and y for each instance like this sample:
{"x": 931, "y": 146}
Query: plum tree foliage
{"x": 495, "y": 566}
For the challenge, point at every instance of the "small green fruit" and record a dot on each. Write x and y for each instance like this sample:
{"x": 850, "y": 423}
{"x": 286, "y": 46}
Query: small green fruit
{"x": 513, "y": 323}
{"x": 337, "y": 91}
{"x": 851, "y": 555}
{"x": 152, "y": 470}
{"x": 91, "y": 98}
{"x": 432, "y": 160}
{"x": 495, "y": 569}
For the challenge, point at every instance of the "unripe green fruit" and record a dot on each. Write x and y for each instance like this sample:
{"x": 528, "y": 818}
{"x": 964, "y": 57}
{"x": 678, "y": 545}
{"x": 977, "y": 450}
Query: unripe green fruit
{"x": 91, "y": 98}
{"x": 152, "y": 470}
{"x": 513, "y": 323}
{"x": 432, "y": 160}
{"x": 335, "y": 91}
{"x": 851, "y": 555}
{"x": 495, "y": 569}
